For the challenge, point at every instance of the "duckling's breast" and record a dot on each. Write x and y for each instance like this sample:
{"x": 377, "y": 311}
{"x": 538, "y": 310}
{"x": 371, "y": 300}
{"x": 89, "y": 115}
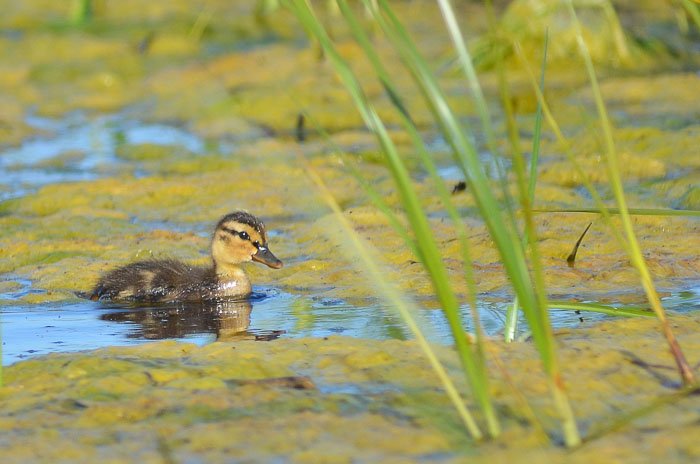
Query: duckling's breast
{"x": 233, "y": 284}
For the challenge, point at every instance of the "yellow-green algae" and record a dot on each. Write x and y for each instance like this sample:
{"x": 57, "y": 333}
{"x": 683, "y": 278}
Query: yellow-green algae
{"x": 175, "y": 402}
{"x": 65, "y": 235}
{"x": 133, "y": 53}
{"x": 372, "y": 401}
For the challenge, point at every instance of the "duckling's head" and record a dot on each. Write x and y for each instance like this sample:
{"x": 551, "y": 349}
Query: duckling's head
{"x": 240, "y": 237}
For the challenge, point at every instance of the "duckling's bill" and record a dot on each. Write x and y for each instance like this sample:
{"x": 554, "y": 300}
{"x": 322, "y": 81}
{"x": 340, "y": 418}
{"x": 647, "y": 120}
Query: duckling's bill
{"x": 265, "y": 256}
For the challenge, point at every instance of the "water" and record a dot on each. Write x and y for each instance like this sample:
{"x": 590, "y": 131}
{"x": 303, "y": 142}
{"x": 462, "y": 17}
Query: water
{"x": 89, "y": 142}
{"x": 33, "y": 330}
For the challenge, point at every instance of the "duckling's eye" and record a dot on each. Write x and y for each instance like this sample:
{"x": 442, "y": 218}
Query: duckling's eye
{"x": 243, "y": 234}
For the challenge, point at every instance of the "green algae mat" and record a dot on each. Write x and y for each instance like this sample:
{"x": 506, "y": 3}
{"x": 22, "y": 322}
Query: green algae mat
{"x": 342, "y": 400}
{"x": 126, "y": 134}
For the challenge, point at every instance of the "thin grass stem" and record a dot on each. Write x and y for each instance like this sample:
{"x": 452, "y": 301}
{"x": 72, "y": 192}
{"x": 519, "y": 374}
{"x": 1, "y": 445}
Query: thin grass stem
{"x": 510, "y": 326}
{"x": 511, "y": 321}
{"x": 693, "y": 12}
{"x": 630, "y": 211}
{"x": 599, "y": 308}
{"x": 466, "y": 63}
{"x": 429, "y": 165}
{"x": 376, "y": 275}
{"x": 428, "y": 252}
{"x": 505, "y": 239}
{"x": 537, "y": 313}
{"x": 615, "y": 180}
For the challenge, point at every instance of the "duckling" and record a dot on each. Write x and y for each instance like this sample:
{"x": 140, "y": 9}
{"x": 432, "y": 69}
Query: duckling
{"x": 239, "y": 237}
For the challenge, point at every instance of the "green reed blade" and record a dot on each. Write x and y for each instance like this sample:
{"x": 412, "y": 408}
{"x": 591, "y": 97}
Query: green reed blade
{"x": 511, "y": 321}
{"x": 464, "y": 151}
{"x": 476, "y": 373}
{"x": 376, "y": 275}
{"x": 631, "y": 211}
{"x": 536, "y": 314}
{"x": 445, "y": 196}
{"x": 693, "y": 11}
{"x": 427, "y": 248}
{"x": 466, "y": 63}
{"x": 510, "y": 326}
{"x": 505, "y": 239}
{"x": 599, "y": 308}
{"x": 614, "y": 178}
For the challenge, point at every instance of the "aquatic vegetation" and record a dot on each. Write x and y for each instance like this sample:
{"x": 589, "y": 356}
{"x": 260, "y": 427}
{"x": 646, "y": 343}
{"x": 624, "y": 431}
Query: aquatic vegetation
{"x": 631, "y": 241}
{"x": 368, "y": 401}
{"x": 528, "y": 285}
{"x": 223, "y": 87}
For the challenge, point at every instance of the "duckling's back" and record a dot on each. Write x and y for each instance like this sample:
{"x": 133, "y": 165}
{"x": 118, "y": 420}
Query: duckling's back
{"x": 157, "y": 281}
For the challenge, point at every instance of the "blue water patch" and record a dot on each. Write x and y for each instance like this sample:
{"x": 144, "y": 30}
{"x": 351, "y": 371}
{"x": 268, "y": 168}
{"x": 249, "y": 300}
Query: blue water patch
{"x": 33, "y": 330}
{"x": 90, "y": 142}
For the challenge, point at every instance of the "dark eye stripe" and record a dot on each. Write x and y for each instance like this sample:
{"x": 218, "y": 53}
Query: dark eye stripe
{"x": 243, "y": 234}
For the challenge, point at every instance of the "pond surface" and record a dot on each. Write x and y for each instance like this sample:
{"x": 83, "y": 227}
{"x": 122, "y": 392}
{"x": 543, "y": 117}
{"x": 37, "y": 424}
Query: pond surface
{"x": 31, "y": 330}
{"x": 81, "y": 148}
{"x": 127, "y": 135}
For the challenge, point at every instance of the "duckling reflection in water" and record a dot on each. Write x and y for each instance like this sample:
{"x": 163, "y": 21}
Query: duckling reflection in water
{"x": 239, "y": 237}
{"x": 226, "y": 319}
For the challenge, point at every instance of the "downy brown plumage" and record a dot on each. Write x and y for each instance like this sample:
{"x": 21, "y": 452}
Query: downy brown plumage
{"x": 239, "y": 237}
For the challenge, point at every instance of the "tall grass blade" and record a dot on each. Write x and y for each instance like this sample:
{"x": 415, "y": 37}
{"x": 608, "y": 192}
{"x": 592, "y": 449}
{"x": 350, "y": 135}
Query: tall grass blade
{"x": 510, "y": 326}
{"x": 536, "y": 310}
{"x": 428, "y": 252}
{"x": 599, "y": 308}
{"x": 537, "y": 134}
{"x": 505, "y": 239}
{"x": 693, "y": 12}
{"x": 615, "y": 180}
{"x": 464, "y": 151}
{"x": 631, "y": 211}
{"x": 467, "y": 65}
{"x": 511, "y": 321}
{"x": 375, "y": 274}
{"x": 438, "y": 182}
